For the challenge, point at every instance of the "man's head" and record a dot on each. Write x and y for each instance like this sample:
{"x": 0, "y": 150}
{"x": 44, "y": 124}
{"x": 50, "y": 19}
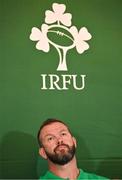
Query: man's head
{"x": 56, "y": 142}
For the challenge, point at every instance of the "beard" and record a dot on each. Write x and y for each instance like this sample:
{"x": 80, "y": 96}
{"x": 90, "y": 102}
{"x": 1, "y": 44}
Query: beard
{"x": 62, "y": 157}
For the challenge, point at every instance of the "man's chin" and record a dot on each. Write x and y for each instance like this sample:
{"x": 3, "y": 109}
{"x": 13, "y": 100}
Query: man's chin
{"x": 62, "y": 155}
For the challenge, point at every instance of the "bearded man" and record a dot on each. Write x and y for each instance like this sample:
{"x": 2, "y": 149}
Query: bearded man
{"x": 58, "y": 146}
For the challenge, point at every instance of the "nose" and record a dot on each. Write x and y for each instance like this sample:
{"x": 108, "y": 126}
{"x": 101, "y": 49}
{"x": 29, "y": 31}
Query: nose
{"x": 59, "y": 141}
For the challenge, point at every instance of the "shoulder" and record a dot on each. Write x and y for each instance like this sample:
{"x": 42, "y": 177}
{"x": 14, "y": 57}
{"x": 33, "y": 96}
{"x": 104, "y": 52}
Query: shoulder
{"x": 45, "y": 176}
{"x": 49, "y": 175}
{"x": 86, "y": 175}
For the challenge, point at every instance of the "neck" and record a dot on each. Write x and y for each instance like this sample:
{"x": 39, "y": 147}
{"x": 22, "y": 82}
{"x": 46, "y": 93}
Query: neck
{"x": 68, "y": 170}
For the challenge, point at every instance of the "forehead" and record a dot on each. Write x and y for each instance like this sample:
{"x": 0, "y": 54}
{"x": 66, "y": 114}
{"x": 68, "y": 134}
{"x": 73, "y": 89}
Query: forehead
{"x": 53, "y": 128}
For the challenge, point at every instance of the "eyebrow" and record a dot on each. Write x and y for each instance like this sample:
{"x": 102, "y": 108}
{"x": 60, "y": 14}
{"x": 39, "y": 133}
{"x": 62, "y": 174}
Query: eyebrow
{"x": 64, "y": 130}
{"x": 59, "y": 132}
{"x": 48, "y": 135}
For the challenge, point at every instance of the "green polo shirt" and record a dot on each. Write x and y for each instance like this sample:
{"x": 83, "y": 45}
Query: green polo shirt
{"x": 82, "y": 175}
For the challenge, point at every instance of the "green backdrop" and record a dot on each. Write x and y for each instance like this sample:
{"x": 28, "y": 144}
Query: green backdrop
{"x": 94, "y": 114}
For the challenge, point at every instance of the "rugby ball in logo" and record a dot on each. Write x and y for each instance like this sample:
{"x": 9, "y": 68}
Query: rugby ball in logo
{"x": 60, "y": 36}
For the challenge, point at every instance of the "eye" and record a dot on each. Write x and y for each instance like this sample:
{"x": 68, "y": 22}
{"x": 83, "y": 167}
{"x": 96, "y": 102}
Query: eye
{"x": 63, "y": 134}
{"x": 50, "y": 138}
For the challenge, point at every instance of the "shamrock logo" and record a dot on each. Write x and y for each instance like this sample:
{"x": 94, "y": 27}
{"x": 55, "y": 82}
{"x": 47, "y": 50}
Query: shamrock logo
{"x": 59, "y": 23}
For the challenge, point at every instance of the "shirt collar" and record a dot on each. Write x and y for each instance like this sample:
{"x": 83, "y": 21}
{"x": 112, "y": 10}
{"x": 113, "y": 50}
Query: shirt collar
{"x": 53, "y": 176}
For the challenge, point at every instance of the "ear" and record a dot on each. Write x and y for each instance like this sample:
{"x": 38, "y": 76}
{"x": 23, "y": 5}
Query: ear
{"x": 75, "y": 142}
{"x": 42, "y": 153}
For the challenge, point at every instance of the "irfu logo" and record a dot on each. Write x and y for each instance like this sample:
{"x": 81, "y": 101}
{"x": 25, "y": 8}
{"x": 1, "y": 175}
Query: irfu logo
{"x": 57, "y": 26}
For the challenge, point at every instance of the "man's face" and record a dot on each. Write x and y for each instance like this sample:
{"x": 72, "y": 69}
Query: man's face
{"x": 58, "y": 144}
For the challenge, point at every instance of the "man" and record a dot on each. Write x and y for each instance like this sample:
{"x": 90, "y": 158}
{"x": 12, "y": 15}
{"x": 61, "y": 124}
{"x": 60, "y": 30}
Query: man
{"x": 57, "y": 146}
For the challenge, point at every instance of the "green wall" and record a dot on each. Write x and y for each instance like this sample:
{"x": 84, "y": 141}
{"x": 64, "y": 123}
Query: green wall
{"x": 94, "y": 114}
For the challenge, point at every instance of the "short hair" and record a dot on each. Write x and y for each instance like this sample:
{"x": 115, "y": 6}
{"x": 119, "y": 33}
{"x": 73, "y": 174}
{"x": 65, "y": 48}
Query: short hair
{"x": 48, "y": 122}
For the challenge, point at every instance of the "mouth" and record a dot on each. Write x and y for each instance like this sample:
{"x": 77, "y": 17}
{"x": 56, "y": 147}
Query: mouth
{"x": 62, "y": 148}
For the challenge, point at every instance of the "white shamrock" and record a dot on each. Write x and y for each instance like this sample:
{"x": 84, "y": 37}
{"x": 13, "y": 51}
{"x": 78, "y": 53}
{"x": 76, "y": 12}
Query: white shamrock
{"x": 80, "y": 38}
{"x": 41, "y": 37}
{"x": 58, "y": 15}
